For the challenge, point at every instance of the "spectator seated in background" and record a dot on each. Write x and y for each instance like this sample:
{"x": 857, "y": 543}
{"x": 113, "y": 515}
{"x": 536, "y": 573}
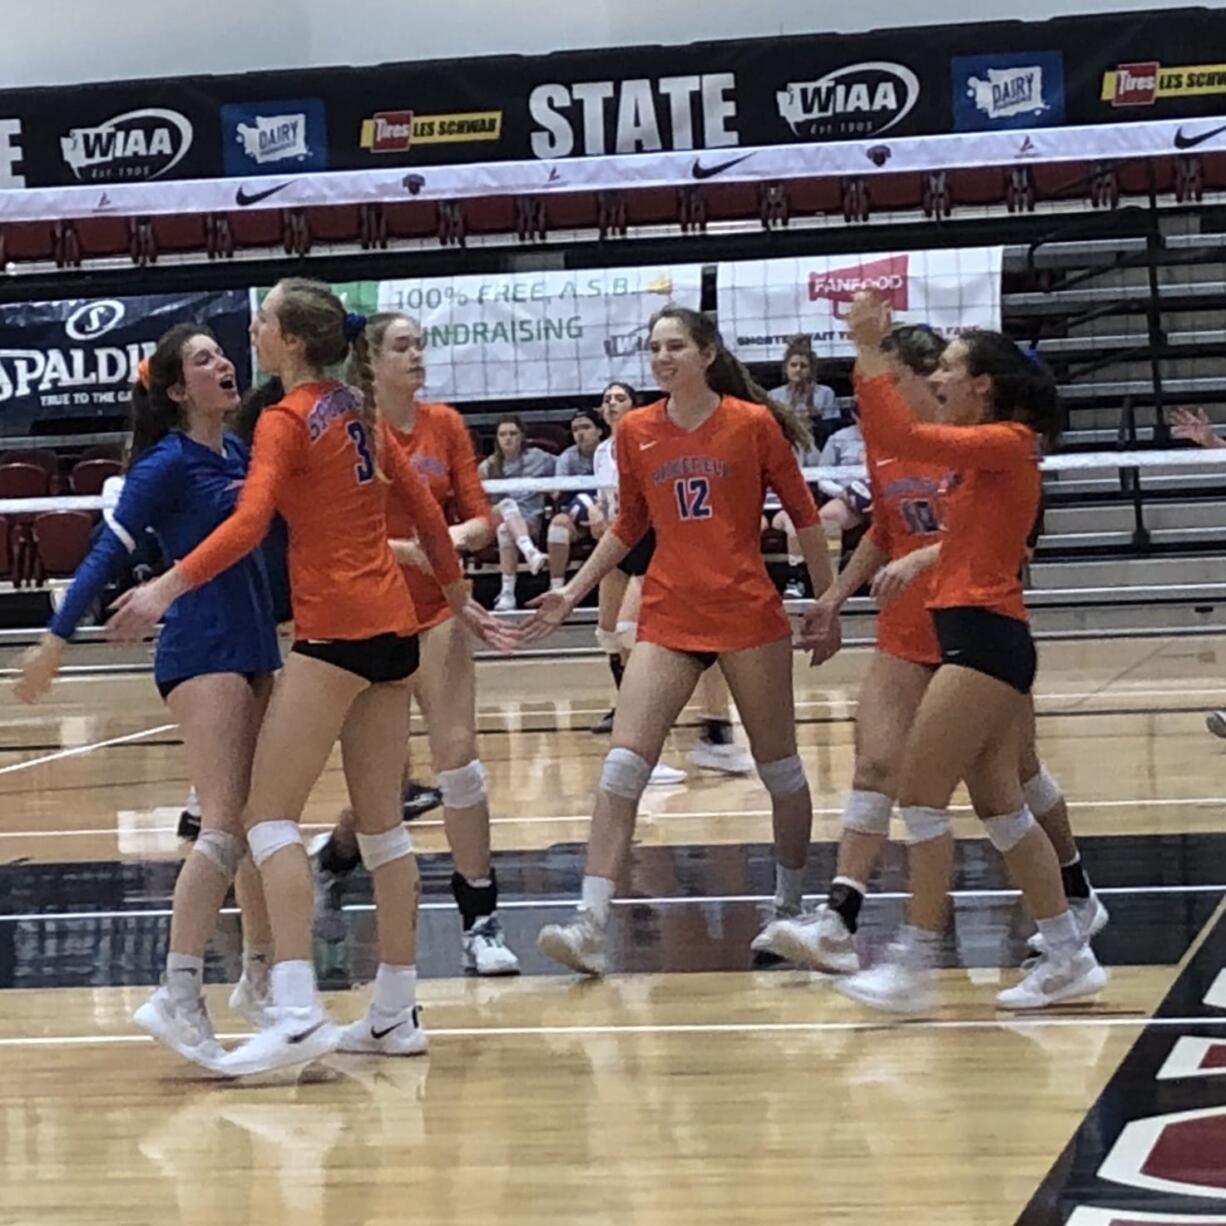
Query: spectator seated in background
{"x": 846, "y": 505}
{"x": 576, "y": 461}
{"x": 803, "y": 393}
{"x": 520, "y": 511}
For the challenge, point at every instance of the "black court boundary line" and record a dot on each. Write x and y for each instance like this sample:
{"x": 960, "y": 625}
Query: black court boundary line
{"x": 804, "y": 722}
{"x": 1133, "y": 1092}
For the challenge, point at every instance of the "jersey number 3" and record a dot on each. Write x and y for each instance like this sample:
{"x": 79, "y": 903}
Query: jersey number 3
{"x": 364, "y": 469}
{"x": 693, "y": 497}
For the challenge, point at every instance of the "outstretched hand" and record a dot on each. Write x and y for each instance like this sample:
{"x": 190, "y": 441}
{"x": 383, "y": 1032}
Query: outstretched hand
{"x": 1194, "y": 426}
{"x": 869, "y": 320}
{"x": 37, "y": 667}
{"x": 138, "y": 611}
{"x": 499, "y": 635}
{"x": 552, "y": 609}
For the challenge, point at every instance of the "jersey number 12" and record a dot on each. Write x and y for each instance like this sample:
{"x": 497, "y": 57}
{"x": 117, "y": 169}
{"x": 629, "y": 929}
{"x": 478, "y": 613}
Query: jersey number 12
{"x": 693, "y": 497}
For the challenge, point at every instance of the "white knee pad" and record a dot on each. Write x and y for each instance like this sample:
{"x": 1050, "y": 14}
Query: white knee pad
{"x": 924, "y": 824}
{"x": 1009, "y": 829}
{"x": 867, "y": 812}
{"x": 224, "y": 850}
{"x": 1042, "y": 793}
{"x": 380, "y": 849}
{"x": 608, "y": 641}
{"x": 267, "y": 838}
{"x": 627, "y": 634}
{"x": 507, "y": 507}
{"x": 558, "y": 534}
{"x": 785, "y": 777}
{"x": 463, "y": 787}
{"x": 504, "y": 536}
{"x": 624, "y": 774}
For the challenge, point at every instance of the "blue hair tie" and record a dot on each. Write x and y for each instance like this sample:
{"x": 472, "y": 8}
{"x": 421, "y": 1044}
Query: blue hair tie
{"x": 355, "y": 325}
{"x": 1031, "y": 353}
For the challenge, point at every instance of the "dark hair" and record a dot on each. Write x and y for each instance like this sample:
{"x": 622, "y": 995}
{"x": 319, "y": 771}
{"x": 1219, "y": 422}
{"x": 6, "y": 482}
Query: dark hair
{"x": 799, "y": 346}
{"x": 634, "y": 396}
{"x": 494, "y": 465}
{"x": 588, "y": 415}
{"x": 727, "y": 374}
{"x": 918, "y": 347}
{"x": 1023, "y": 389}
{"x": 257, "y": 399}
{"x": 153, "y": 414}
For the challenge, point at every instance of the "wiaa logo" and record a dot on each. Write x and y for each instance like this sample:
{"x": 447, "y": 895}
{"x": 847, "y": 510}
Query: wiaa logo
{"x": 94, "y": 319}
{"x": 859, "y": 100}
{"x": 137, "y": 145}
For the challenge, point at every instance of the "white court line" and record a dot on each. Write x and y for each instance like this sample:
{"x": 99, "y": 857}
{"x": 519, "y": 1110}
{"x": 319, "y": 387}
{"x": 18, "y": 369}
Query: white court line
{"x": 1157, "y": 802}
{"x": 675, "y": 900}
{"x": 690, "y": 1028}
{"x": 83, "y": 749}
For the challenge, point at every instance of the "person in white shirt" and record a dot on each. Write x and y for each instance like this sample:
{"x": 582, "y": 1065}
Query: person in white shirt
{"x": 576, "y": 461}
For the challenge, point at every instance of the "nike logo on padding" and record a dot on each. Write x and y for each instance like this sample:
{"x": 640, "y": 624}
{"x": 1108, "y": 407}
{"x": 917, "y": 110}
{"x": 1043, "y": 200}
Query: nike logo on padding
{"x": 1190, "y": 142}
{"x": 382, "y": 1034}
{"x": 306, "y": 1034}
{"x": 646, "y": 446}
{"x": 700, "y": 171}
{"x": 243, "y": 198}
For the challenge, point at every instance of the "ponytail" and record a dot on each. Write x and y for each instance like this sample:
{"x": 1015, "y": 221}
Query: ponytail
{"x": 728, "y": 376}
{"x": 361, "y": 373}
{"x": 1023, "y": 389}
{"x": 153, "y": 415}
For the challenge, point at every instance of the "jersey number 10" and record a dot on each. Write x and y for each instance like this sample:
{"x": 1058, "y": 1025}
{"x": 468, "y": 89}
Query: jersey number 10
{"x": 693, "y": 497}
{"x": 364, "y": 469}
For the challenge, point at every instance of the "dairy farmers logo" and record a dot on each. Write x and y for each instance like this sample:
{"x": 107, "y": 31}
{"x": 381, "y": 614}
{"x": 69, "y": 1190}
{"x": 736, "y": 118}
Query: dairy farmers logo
{"x": 94, "y": 319}
{"x": 1023, "y": 90}
{"x": 136, "y": 145}
{"x": 272, "y": 137}
{"x": 859, "y": 100}
{"x": 887, "y": 278}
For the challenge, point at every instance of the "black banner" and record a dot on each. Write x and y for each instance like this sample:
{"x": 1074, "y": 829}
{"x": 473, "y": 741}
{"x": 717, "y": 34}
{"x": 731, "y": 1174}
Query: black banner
{"x": 77, "y": 358}
{"x": 1099, "y": 69}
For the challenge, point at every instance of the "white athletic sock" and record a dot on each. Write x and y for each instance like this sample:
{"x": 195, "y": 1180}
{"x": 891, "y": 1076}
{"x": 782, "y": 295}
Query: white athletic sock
{"x": 556, "y": 585}
{"x": 525, "y": 546}
{"x": 193, "y": 803}
{"x": 508, "y": 584}
{"x": 794, "y": 560}
{"x": 395, "y": 988}
{"x": 293, "y": 985}
{"x": 597, "y": 896}
{"x": 1060, "y": 934}
{"x": 184, "y": 975}
{"x": 789, "y": 887}
{"x": 919, "y": 945}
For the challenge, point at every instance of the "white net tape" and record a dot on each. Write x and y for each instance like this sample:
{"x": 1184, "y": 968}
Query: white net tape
{"x": 1100, "y": 461}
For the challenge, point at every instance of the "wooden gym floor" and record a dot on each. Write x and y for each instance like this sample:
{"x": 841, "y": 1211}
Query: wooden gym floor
{"x": 689, "y": 1087}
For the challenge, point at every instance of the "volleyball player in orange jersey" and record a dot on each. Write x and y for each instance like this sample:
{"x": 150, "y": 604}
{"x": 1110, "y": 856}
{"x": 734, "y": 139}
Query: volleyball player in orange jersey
{"x": 436, "y": 442}
{"x": 971, "y": 723}
{"x": 897, "y": 555}
{"x": 319, "y": 461}
{"x": 695, "y": 467}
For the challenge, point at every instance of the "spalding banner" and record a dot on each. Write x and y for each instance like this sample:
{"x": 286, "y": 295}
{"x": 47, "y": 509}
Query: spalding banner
{"x": 764, "y": 303}
{"x": 77, "y": 358}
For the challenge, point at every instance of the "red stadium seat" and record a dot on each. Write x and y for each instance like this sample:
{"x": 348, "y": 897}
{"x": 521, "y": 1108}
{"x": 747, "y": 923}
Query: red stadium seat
{"x": 23, "y": 481}
{"x": 5, "y": 548}
{"x": 88, "y": 475}
{"x": 104, "y": 451}
{"x": 545, "y": 443}
{"x": 61, "y": 539}
{"x": 40, "y": 457}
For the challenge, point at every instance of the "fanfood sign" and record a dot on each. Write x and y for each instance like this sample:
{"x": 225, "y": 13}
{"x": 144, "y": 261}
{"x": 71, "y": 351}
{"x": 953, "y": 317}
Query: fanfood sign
{"x": 763, "y": 304}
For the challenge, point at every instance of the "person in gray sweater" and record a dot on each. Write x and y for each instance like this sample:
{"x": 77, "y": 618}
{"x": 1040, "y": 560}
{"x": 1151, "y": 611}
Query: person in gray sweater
{"x": 568, "y": 524}
{"x": 520, "y": 511}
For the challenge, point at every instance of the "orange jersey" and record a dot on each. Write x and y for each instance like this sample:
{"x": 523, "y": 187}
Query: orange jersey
{"x": 702, "y": 491}
{"x": 313, "y": 462}
{"x": 440, "y": 449}
{"x": 907, "y": 515}
{"x": 990, "y": 498}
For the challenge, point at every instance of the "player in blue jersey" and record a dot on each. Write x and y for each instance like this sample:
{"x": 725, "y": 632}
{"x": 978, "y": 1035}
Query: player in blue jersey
{"x": 215, "y": 658}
